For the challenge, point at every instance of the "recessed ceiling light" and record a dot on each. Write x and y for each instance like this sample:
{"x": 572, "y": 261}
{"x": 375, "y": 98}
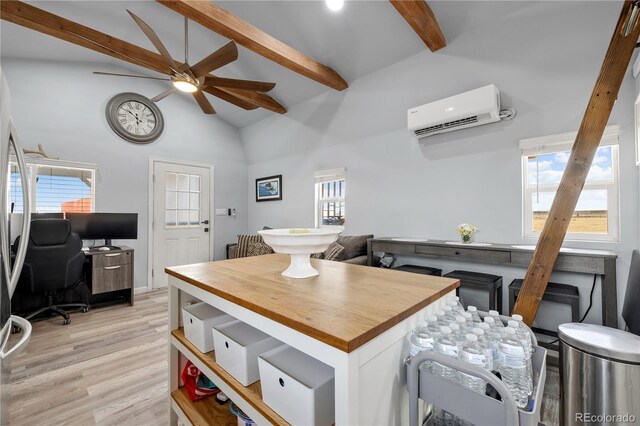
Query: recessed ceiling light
{"x": 335, "y": 5}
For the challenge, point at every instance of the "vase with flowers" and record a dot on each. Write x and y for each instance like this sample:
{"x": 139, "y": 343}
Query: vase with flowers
{"x": 466, "y": 231}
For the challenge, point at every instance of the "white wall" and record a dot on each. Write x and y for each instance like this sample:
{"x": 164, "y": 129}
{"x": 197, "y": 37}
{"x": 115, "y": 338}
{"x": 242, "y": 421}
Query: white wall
{"x": 545, "y": 67}
{"x": 62, "y": 106}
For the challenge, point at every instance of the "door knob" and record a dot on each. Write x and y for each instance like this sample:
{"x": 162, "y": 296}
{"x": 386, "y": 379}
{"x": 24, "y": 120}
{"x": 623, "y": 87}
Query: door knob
{"x": 206, "y": 222}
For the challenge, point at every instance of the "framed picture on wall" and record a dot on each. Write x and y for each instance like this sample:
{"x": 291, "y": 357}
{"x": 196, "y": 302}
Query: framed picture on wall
{"x": 637, "y": 123}
{"x": 269, "y": 188}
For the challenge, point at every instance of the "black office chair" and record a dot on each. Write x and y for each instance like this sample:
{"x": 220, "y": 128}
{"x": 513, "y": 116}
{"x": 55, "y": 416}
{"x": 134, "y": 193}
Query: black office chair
{"x": 54, "y": 262}
{"x": 630, "y": 309}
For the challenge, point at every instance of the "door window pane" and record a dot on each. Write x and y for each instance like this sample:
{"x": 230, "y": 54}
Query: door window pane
{"x": 182, "y": 204}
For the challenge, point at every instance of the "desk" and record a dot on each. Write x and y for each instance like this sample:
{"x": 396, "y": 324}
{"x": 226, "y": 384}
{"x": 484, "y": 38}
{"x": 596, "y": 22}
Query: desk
{"x": 599, "y": 262}
{"x": 109, "y": 271}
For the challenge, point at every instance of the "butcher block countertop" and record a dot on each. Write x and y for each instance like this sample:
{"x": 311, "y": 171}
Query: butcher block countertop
{"x": 345, "y": 306}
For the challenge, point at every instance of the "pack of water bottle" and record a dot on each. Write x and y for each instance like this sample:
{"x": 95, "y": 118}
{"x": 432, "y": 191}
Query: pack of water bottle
{"x": 489, "y": 344}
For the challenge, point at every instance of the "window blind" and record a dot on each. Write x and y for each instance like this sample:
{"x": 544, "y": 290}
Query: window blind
{"x": 564, "y": 141}
{"x": 61, "y": 189}
{"x": 329, "y": 175}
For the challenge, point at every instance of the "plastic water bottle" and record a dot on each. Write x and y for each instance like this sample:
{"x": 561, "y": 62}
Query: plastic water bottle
{"x": 457, "y": 334}
{"x": 496, "y": 317}
{"x": 474, "y": 314}
{"x": 483, "y": 344}
{"x": 446, "y": 345}
{"x": 523, "y": 331}
{"x": 525, "y": 338}
{"x": 473, "y": 354}
{"x": 456, "y": 305}
{"x": 433, "y": 326}
{"x": 449, "y": 314}
{"x": 512, "y": 367}
{"x": 421, "y": 340}
{"x": 442, "y": 320}
{"x": 468, "y": 318}
{"x": 462, "y": 323}
{"x": 493, "y": 336}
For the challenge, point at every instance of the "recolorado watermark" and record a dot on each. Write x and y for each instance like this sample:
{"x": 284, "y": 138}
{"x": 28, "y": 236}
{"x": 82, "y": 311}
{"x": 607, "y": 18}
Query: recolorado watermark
{"x": 605, "y": 418}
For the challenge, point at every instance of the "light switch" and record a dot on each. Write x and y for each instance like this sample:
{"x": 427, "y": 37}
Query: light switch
{"x": 222, "y": 212}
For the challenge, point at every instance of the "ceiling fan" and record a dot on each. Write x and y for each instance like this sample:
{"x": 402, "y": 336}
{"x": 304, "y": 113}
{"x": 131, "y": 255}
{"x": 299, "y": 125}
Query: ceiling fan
{"x": 194, "y": 79}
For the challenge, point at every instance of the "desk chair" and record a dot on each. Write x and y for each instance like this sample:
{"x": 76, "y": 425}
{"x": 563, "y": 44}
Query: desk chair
{"x": 53, "y": 262}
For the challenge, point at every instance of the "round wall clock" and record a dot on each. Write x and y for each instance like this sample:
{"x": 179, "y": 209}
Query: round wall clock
{"x": 134, "y": 118}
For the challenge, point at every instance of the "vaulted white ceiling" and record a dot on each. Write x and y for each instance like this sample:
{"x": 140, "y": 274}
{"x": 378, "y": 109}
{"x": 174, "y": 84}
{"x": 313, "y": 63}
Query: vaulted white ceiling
{"x": 364, "y": 37}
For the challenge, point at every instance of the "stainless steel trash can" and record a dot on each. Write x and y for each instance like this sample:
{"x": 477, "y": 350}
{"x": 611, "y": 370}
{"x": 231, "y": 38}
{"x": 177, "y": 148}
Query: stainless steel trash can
{"x": 599, "y": 375}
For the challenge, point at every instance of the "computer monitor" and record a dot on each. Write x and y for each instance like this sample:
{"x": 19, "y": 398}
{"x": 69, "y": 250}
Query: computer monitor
{"x": 107, "y": 226}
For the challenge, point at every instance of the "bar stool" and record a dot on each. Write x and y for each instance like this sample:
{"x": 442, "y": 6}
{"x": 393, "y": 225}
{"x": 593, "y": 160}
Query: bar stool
{"x": 480, "y": 281}
{"x": 416, "y": 269}
{"x": 557, "y": 293}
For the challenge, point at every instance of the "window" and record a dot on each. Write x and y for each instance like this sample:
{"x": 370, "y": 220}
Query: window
{"x": 182, "y": 200}
{"x": 330, "y": 198}
{"x": 597, "y": 213}
{"x": 56, "y": 187}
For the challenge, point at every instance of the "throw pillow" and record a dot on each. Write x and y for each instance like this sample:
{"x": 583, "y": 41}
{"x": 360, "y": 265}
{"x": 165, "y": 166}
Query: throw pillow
{"x": 334, "y": 252}
{"x": 243, "y": 243}
{"x": 317, "y": 256}
{"x": 354, "y": 245}
{"x": 258, "y": 249}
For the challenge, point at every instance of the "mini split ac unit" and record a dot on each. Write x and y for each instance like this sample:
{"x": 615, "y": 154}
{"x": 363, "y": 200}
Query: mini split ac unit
{"x": 479, "y": 106}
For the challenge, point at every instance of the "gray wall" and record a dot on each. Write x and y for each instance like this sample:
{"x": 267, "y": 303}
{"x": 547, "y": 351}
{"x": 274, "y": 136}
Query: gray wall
{"x": 545, "y": 67}
{"x": 61, "y": 105}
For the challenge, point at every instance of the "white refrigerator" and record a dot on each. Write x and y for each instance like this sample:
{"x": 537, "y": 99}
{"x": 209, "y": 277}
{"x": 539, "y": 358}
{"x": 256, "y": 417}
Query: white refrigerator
{"x": 10, "y": 268}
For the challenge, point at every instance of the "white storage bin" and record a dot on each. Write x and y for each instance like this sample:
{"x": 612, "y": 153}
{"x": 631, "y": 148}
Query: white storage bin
{"x": 298, "y": 387}
{"x": 198, "y": 319}
{"x": 237, "y": 348}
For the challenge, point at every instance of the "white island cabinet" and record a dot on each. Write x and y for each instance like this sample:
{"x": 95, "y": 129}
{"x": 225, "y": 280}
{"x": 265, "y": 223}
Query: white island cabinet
{"x": 353, "y": 318}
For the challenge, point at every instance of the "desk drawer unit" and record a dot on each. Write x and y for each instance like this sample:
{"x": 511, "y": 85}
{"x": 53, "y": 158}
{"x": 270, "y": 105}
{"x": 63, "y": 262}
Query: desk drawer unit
{"x": 112, "y": 271}
{"x": 111, "y": 278}
{"x": 469, "y": 254}
{"x": 111, "y": 259}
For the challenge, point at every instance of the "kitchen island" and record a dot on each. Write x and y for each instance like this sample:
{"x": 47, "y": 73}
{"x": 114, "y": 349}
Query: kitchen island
{"x": 352, "y": 318}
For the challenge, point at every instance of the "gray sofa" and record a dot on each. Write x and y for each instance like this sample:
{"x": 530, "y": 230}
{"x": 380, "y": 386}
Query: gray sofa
{"x": 355, "y": 249}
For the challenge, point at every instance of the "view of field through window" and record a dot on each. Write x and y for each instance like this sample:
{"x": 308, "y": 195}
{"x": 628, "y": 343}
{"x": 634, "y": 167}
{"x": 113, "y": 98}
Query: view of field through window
{"x": 591, "y": 216}
{"x": 591, "y": 221}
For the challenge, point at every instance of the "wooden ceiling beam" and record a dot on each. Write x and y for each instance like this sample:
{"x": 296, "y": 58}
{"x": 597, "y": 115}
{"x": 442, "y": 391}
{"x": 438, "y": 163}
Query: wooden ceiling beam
{"x": 584, "y": 148}
{"x": 418, "y": 14}
{"x": 45, "y": 22}
{"x": 213, "y": 17}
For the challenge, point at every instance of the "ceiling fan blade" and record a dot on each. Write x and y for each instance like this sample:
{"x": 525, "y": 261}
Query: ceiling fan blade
{"x": 130, "y": 75}
{"x": 230, "y": 98}
{"x": 232, "y": 83}
{"x": 164, "y": 94}
{"x": 226, "y": 54}
{"x": 155, "y": 40}
{"x": 204, "y": 103}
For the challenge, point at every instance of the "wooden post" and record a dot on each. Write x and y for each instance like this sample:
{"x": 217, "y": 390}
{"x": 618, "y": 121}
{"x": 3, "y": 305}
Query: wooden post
{"x": 584, "y": 148}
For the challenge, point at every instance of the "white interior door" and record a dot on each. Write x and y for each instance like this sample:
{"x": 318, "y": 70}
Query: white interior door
{"x": 181, "y": 228}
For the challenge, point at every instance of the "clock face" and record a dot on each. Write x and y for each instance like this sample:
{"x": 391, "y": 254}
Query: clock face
{"x": 134, "y": 118}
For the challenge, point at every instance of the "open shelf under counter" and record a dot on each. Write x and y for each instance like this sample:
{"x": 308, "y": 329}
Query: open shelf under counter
{"x": 206, "y": 412}
{"x": 250, "y": 395}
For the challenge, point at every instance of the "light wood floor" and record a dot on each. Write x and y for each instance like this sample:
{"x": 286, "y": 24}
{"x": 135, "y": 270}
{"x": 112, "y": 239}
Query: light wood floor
{"x": 109, "y": 367}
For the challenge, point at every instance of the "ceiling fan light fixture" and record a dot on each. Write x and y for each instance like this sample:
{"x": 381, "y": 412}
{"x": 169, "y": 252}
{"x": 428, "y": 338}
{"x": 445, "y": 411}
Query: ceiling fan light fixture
{"x": 335, "y": 5}
{"x": 185, "y": 86}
